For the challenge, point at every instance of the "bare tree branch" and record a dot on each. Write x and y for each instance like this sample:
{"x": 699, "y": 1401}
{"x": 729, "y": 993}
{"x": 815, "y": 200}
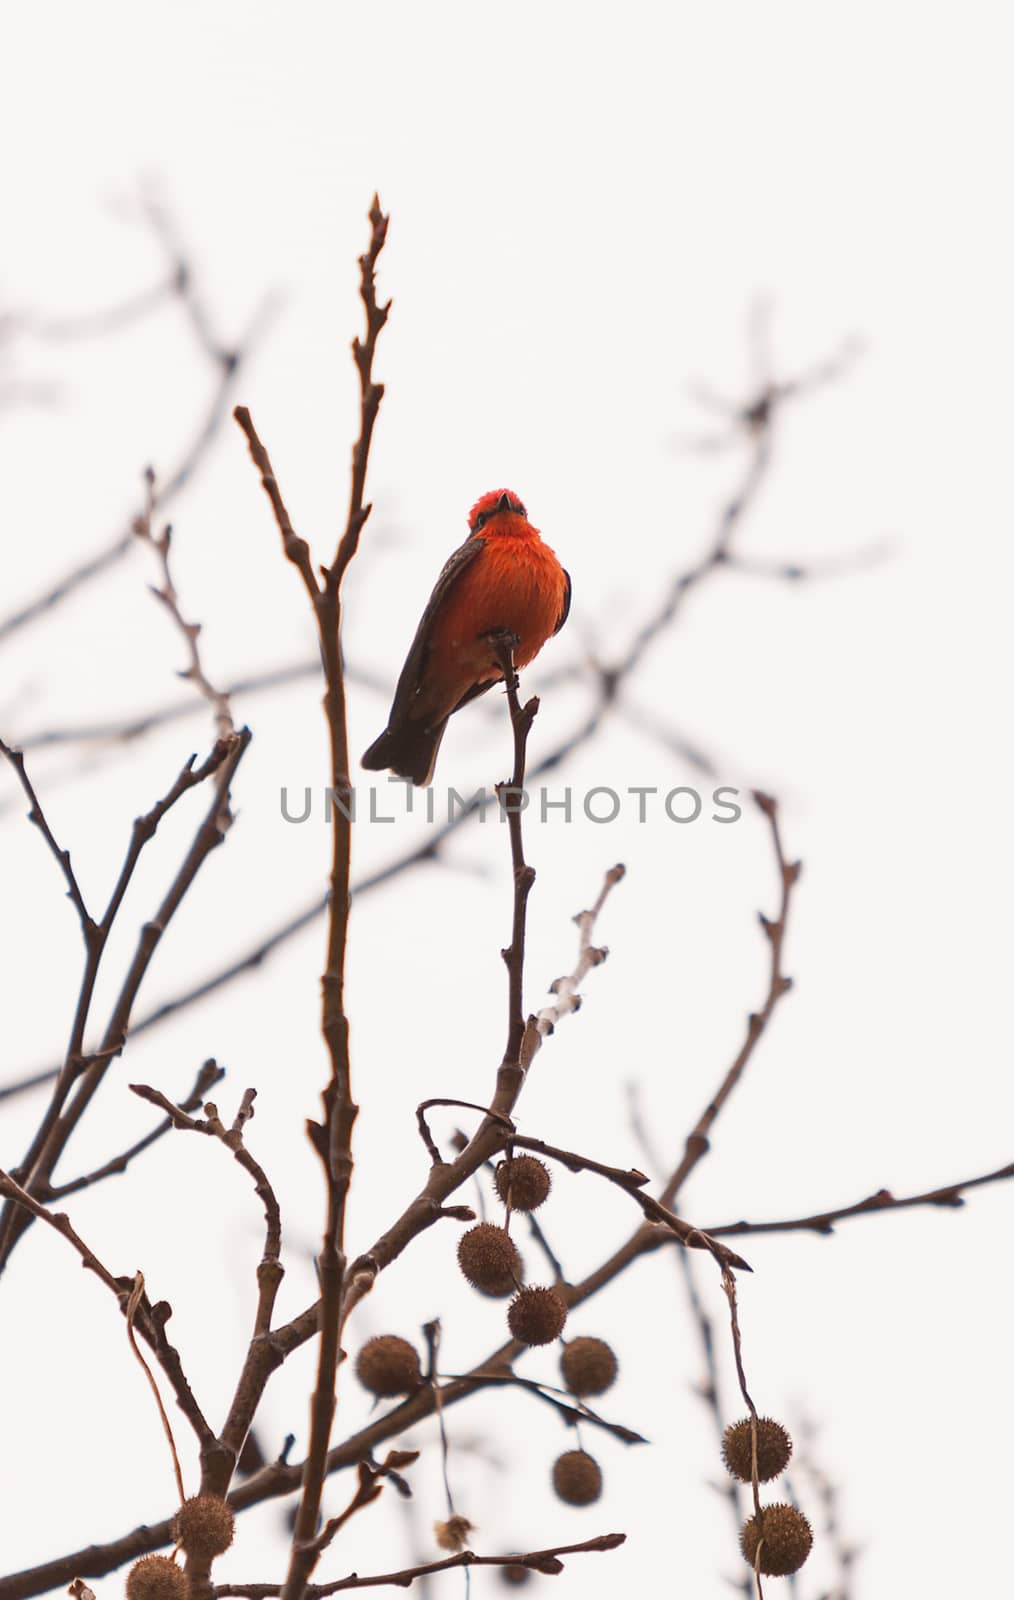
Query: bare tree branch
{"x": 166, "y": 594}
{"x": 270, "y": 1271}
{"x": 778, "y": 986}
{"x": 332, "y": 1138}
{"x": 227, "y": 360}
{"x": 631, "y": 1183}
{"x": 949, "y": 1194}
{"x": 546, "y": 1561}
{"x": 209, "y": 1074}
{"x": 81, "y": 1074}
{"x": 118, "y": 732}
{"x": 37, "y": 817}
{"x": 149, "y": 1319}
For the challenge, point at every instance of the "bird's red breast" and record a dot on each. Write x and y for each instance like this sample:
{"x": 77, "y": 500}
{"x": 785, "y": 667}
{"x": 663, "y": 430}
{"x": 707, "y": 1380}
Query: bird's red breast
{"x": 514, "y": 583}
{"x": 503, "y": 578}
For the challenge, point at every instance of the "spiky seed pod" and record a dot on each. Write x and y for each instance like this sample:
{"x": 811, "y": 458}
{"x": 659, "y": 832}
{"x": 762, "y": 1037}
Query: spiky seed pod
{"x": 157, "y": 1578}
{"x": 523, "y": 1181}
{"x": 453, "y": 1534}
{"x": 537, "y": 1316}
{"x": 577, "y": 1478}
{"x": 204, "y": 1525}
{"x": 788, "y": 1539}
{"x": 589, "y": 1366}
{"x": 489, "y": 1258}
{"x": 388, "y": 1365}
{"x": 774, "y": 1447}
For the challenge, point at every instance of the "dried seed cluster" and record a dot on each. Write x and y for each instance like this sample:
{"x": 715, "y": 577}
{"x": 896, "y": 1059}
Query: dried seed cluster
{"x": 774, "y": 1448}
{"x": 453, "y": 1534}
{"x": 388, "y": 1366}
{"x": 577, "y": 1478}
{"x": 157, "y": 1578}
{"x": 780, "y": 1532}
{"x": 537, "y": 1316}
{"x": 522, "y": 1182}
{"x": 787, "y": 1540}
{"x": 515, "y": 1574}
{"x": 589, "y": 1366}
{"x": 489, "y": 1259}
{"x": 204, "y": 1525}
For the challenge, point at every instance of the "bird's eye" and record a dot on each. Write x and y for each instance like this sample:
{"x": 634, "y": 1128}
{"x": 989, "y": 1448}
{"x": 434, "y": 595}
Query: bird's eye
{"x": 482, "y": 517}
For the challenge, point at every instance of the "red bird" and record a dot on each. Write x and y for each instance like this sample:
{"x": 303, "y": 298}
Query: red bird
{"x": 503, "y": 578}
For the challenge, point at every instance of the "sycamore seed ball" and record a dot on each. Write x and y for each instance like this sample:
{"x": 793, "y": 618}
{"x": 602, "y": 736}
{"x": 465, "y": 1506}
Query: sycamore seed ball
{"x": 388, "y": 1366}
{"x": 589, "y": 1366}
{"x": 537, "y": 1316}
{"x": 788, "y": 1539}
{"x": 515, "y": 1574}
{"x": 577, "y": 1478}
{"x": 489, "y": 1259}
{"x": 204, "y": 1526}
{"x": 774, "y": 1447}
{"x": 523, "y": 1181}
{"x": 157, "y": 1578}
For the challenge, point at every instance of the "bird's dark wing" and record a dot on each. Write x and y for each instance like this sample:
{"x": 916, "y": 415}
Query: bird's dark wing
{"x": 475, "y": 691}
{"x": 565, "y": 613}
{"x": 415, "y": 661}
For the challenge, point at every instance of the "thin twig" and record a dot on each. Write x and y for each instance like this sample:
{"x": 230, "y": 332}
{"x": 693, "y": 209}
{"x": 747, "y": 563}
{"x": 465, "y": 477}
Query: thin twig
{"x": 729, "y": 1288}
{"x": 461, "y": 1105}
{"x": 778, "y": 985}
{"x": 167, "y": 595}
{"x": 190, "y": 459}
{"x": 572, "y": 1411}
{"x": 566, "y": 989}
{"x": 632, "y": 1182}
{"x": 370, "y": 395}
{"x": 152, "y": 1318}
{"x": 431, "y": 1333}
{"x": 709, "y": 1389}
{"x": 545, "y": 1561}
{"x": 827, "y": 1491}
{"x": 270, "y": 1270}
{"x": 296, "y": 549}
{"x": 37, "y": 817}
{"x": 225, "y": 755}
{"x": 510, "y": 795}
{"x": 949, "y": 1194}
{"x": 134, "y": 1300}
{"x": 104, "y": 320}
{"x": 119, "y": 732}
{"x": 369, "y": 1488}
{"x": 209, "y": 1074}
{"x": 81, "y": 1075}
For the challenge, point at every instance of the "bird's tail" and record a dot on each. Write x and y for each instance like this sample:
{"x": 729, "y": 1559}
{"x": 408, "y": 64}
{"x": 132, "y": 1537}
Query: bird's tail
{"x": 409, "y": 751}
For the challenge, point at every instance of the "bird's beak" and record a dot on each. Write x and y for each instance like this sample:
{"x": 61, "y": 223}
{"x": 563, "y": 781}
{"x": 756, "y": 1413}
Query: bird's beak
{"x": 504, "y": 502}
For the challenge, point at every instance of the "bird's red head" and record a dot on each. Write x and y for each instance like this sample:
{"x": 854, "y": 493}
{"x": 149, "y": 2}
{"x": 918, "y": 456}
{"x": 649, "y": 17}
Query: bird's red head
{"x": 489, "y": 505}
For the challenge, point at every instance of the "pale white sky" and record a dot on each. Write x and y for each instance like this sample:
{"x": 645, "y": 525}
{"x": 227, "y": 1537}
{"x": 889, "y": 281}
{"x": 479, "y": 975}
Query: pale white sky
{"x": 586, "y": 204}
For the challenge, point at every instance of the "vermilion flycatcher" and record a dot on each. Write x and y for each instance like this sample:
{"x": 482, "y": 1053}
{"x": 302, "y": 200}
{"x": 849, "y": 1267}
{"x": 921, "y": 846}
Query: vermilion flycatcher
{"x": 502, "y": 579}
